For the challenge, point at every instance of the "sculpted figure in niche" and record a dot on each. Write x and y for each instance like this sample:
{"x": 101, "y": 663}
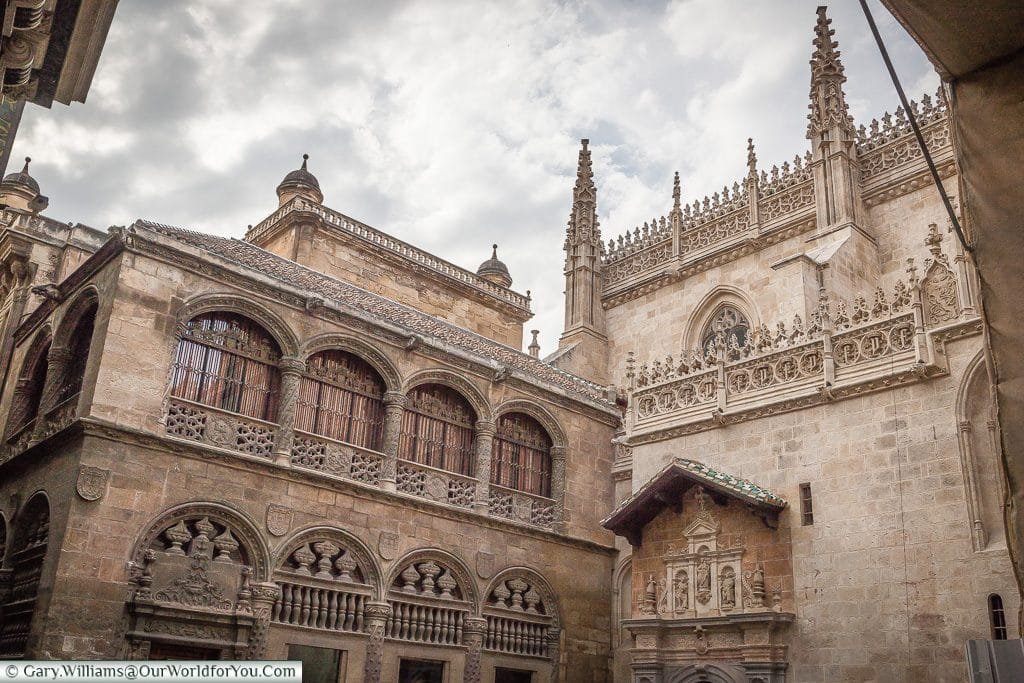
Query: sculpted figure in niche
{"x": 728, "y": 588}
{"x": 681, "y": 587}
{"x": 703, "y": 580}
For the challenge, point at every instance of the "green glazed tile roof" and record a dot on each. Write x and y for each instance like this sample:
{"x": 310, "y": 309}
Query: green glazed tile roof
{"x": 742, "y": 486}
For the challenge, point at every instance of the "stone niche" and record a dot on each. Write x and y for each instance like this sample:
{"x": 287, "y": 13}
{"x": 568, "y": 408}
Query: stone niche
{"x": 712, "y": 578}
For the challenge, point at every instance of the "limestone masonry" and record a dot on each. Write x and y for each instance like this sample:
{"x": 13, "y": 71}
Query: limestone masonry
{"x": 765, "y": 449}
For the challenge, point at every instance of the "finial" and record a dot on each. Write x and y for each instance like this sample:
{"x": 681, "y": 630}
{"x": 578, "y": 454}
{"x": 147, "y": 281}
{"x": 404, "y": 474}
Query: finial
{"x": 305, "y": 158}
{"x": 28, "y": 160}
{"x": 751, "y": 158}
{"x": 676, "y": 192}
{"x": 534, "y": 347}
{"x": 494, "y": 251}
{"x": 585, "y": 142}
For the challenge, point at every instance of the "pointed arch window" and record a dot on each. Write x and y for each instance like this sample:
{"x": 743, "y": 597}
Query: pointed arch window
{"x": 341, "y": 397}
{"x": 227, "y": 361}
{"x": 729, "y": 320}
{"x": 29, "y": 390}
{"x": 521, "y": 455}
{"x": 80, "y": 342}
{"x": 437, "y": 429}
{"x": 997, "y": 616}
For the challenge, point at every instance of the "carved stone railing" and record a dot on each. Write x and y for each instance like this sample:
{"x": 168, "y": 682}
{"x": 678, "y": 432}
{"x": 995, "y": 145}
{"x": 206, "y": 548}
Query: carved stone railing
{"x": 337, "y": 458}
{"x": 786, "y": 202}
{"x": 435, "y": 484}
{"x": 364, "y": 232}
{"x": 694, "y": 394}
{"x": 522, "y": 507}
{"x": 904, "y": 150}
{"x": 648, "y": 258}
{"x": 197, "y": 422}
{"x": 323, "y": 607}
{"x": 426, "y": 621}
{"x": 517, "y": 633}
{"x": 719, "y": 229}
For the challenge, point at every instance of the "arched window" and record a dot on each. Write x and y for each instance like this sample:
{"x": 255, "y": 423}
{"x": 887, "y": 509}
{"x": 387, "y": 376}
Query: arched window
{"x": 341, "y": 397}
{"x": 29, "y": 389}
{"x": 79, "y": 342}
{"x": 727, "y": 319}
{"x": 437, "y": 429}
{"x": 27, "y": 553}
{"x": 997, "y": 617}
{"x": 227, "y": 361}
{"x": 521, "y": 455}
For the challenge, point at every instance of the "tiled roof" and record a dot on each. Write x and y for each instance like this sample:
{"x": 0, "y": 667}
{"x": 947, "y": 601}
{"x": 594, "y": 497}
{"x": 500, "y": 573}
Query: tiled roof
{"x": 296, "y": 275}
{"x": 668, "y": 486}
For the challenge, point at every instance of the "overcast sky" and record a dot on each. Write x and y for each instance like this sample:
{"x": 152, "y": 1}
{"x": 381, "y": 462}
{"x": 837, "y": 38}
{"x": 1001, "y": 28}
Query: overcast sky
{"x": 450, "y": 125}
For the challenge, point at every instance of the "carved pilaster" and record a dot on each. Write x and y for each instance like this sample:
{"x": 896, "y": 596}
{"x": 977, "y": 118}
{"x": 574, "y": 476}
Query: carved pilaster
{"x": 473, "y": 629}
{"x": 394, "y": 408}
{"x": 376, "y": 615}
{"x": 485, "y": 431}
{"x": 555, "y": 653}
{"x": 264, "y": 595}
{"x": 291, "y": 373}
{"x": 558, "y": 485}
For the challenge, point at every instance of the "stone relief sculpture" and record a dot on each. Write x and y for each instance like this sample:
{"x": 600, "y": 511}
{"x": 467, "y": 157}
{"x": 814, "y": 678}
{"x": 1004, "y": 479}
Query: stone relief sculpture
{"x": 703, "y": 585}
{"x": 727, "y": 583}
{"x": 680, "y": 587}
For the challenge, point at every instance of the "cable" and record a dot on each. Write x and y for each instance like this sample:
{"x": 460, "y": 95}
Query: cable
{"x": 917, "y": 131}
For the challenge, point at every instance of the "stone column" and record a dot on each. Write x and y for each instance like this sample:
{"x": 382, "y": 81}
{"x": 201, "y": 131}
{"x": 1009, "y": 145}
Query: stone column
{"x": 291, "y": 372}
{"x": 473, "y": 629}
{"x": 485, "y": 431}
{"x": 264, "y": 595}
{"x": 376, "y": 615}
{"x": 558, "y": 485}
{"x": 963, "y": 434}
{"x": 554, "y": 639}
{"x": 394, "y": 409}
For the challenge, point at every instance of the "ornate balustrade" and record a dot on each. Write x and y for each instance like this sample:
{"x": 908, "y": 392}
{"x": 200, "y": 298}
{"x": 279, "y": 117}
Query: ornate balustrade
{"x": 320, "y": 606}
{"x": 435, "y": 484}
{"x": 647, "y": 258}
{"x": 337, "y": 458}
{"x": 364, "y": 232}
{"x": 786, "y": 202}
{"x": 215, "y": 427}
{"x": 517, "y": 634}
{"x": 522, "y": 507}
{"x": 425, "y": 621}
{"x": 715, "y": 231}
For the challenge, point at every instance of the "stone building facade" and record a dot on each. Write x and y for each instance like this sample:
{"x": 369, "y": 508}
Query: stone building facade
{"x": 767, "y": 436}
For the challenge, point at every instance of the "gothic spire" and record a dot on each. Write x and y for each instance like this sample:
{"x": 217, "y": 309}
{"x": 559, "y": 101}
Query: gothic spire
{"x": 828, "y": 103}
{"x": 583, "y": 225}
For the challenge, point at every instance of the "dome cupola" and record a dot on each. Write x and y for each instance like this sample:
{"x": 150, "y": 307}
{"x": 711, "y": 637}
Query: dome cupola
{"x": 20, "y": 192}
{"x": 300, "y": 183}
{"x": 494, "y": 270}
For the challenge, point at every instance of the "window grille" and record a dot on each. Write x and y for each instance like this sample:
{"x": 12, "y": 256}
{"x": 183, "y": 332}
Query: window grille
{"x": 806, "y": 505}
{"x": 74, "y": 372}
{"x": 25, "y": 406}
{"x": 437, "y": 429}
{"x": 997, "y": 617}
{"x": 341, "y": 397}
{"x": 27, "y": 553}
{"x": 229, "y": 362}
{"x": 521, "y": 455}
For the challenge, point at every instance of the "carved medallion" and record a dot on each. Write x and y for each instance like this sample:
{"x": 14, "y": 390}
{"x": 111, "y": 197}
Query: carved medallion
{"x": 279, "y": 519}
{"x": 92, "y": 482}
{"x": 220, "y": 431}
{"x": 436, "y": 488}
{"x": 484, "y": 565}
{"x": 387, "y": 545}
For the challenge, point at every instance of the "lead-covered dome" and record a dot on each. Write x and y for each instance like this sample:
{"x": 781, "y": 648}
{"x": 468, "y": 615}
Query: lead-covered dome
{"x": 494, "y": 270}
{"x": 300, "y": 183}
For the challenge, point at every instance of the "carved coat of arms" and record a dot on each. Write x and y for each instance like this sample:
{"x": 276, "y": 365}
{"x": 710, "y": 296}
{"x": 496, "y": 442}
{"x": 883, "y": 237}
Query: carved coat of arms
{"x": 92, "y": 482}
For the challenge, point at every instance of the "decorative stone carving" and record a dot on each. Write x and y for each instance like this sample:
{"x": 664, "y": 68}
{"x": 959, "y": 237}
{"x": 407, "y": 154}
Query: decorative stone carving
{"x": 92, "y": 482}
{"x": 388, "y": 545}
{"x": 484, "y": 564}
{"x": 279, "y": 519}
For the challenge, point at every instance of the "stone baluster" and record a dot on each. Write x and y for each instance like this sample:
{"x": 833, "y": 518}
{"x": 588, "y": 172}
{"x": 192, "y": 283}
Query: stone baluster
{"x": 394, "y": 409}
{"x": 554, "y": 653}
{"x": 291, "y": 373}
{"x": 375, "y": 619}
{"x": 485, "y": 431}
{"x": 473, "y": 629}
{"x": 558, "y": 485}
{"x": 264, "y": 595}
{"x": 56, "y": 367}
